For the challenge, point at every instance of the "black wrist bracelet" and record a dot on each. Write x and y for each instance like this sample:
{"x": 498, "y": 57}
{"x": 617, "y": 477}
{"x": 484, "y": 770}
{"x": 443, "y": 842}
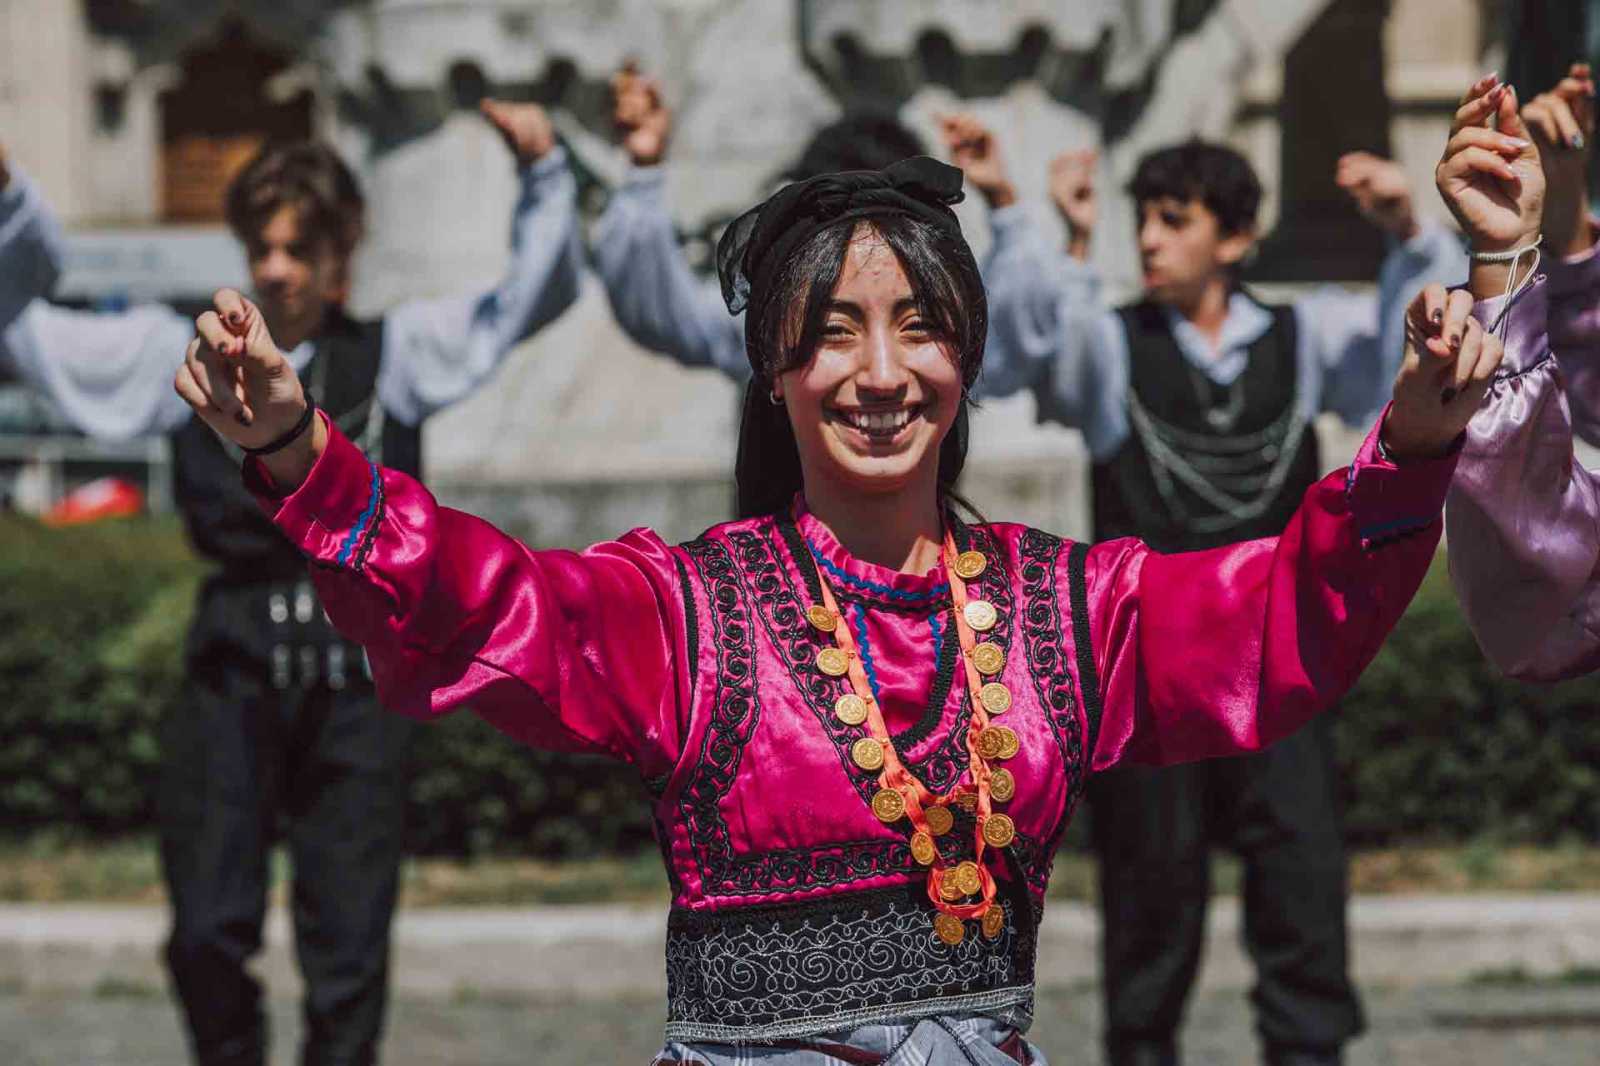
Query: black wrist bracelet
{"x": 279, "y": 443}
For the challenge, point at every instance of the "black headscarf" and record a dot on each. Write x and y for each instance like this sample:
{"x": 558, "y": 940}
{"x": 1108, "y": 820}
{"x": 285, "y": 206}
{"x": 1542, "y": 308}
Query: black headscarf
{"x": 756, "y": 245}
{"x": 750, "y": 257}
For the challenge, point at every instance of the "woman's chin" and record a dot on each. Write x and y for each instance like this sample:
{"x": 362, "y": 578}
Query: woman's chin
{"x": 877, "y": 472}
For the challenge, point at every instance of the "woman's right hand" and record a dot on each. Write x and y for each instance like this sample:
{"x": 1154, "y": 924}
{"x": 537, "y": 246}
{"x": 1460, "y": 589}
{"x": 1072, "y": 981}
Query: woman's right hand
{"x": 240, "y": 384}
{"x": 1449, "y": 363}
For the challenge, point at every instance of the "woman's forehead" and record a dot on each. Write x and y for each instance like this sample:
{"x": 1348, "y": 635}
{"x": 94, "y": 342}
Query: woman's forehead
{"x": 870, "y": 261}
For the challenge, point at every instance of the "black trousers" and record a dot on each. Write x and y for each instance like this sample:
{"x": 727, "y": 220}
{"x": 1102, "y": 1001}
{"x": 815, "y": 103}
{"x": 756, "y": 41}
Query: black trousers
{"x": 261, "y": 753}
{"x": 1153, "y": 829}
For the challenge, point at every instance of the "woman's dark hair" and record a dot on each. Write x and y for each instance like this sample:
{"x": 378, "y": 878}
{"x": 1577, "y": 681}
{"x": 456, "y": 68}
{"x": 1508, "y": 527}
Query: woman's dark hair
{"x": 784, "y": 327}
{"x": 1214, "y": 174}
{"x": 307, "y": 176}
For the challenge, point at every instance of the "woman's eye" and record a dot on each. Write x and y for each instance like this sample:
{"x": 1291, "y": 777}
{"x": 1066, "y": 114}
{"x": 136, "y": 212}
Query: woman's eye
{"x": 835, "y": 329}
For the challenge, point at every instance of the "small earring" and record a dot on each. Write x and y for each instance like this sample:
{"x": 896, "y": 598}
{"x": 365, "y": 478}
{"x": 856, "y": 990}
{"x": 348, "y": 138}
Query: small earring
{"x": 775, "y": 398}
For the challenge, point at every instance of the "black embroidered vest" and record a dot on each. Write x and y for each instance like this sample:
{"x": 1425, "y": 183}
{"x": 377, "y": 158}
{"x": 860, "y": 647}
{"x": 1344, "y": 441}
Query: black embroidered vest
{"x": 223, "y": 520}
{"x": 1205, "y": 465}
{"x": 845, "y": 949}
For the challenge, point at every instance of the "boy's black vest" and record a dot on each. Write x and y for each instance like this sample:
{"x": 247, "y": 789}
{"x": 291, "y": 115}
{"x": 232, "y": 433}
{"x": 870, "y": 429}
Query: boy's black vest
{"x": 224, "y": 521}
{"x": 1135, "y": 496}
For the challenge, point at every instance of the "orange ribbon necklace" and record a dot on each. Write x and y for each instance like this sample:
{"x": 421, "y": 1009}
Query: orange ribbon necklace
{"x": 900, "y": 793}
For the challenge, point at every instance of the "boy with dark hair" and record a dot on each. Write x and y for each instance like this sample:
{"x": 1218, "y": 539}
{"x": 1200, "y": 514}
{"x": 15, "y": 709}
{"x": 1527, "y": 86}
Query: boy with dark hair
{"x": 282, "y": 734}
{"x": 1218, "y": 177}
{"x": 1196, "y": 402}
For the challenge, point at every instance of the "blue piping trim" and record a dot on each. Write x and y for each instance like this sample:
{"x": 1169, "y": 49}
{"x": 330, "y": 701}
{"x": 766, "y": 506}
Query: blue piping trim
{"x": 1373, "y": 532}
{"x": 354, "y": 535}
{"x": 866, "y": 652}
{"x": 872, "y": 586}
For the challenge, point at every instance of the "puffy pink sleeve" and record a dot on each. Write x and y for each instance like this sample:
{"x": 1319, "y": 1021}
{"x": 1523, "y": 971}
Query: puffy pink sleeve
{"x": 562, "y": 650}
{"x": 1212, "y": 653}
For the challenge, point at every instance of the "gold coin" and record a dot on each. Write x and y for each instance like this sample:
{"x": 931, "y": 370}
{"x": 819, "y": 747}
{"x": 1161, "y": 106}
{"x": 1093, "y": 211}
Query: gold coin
{"x": 970, "y": 564}
{"x": 987, "y": 657}
{"x": 949, "y": 890}
{"x": 949, "y": 928}
{"x": 998, "y": 830}
{"x": 888, "y": 805}
{"x": 822, "y": 618}
{"x": 939, "y": 820}
{"x": 980, "y": 615}
{"x": 967, "y": 879}
{"x": 994, "y": 920}
{"x": 867, "y": 753}
{"x": 989, "y": 741}
{"x": 833, "y": 662}
{"x": 1009, "y": 745}
{"x": 995, "y": 697}
{"x": 967, "y": 801}
{"x": 1002, "y": 786}
{"x": 850, "y": 709}
{"x": 922, "y": 848}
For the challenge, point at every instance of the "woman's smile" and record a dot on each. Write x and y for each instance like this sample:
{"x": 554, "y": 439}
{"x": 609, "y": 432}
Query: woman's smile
{"x": 875, "y": 425}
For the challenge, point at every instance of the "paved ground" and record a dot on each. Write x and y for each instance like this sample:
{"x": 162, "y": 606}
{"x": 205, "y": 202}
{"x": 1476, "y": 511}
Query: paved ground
{"x": 568, "y": 985}
{"x": 1555, "y": 1026}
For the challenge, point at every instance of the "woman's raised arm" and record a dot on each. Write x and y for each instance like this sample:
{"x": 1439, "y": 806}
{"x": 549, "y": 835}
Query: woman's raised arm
{"x": 561, "y": 650}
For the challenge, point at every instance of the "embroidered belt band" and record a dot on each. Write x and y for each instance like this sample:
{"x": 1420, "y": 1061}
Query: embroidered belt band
{"x": 822, "y": 966}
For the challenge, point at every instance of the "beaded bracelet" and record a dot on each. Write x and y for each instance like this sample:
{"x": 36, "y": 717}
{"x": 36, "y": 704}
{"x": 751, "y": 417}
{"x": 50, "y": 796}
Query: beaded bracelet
{"x": 1509, "y": 256}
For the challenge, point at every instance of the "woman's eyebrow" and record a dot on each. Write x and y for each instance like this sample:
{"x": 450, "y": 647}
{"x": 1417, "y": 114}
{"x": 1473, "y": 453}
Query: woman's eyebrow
{"x": 846, "y": 307}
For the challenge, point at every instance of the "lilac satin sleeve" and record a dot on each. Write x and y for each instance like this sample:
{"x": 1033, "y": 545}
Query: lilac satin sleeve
{"x": 1213, "y": 653}
{"x": 569, "y": 651}
{"x": 1574, "y": 324}
{"x": 1523, "y": 520}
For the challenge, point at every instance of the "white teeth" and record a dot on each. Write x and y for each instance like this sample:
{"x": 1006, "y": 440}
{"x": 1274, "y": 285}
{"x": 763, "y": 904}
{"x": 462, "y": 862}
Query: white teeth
{"x": 880, "y": 421}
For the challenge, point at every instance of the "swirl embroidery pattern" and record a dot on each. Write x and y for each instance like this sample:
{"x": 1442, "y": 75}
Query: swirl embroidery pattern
{"x": 1042, "y": 634}
{"x": 768, "y": 973}
{"x": 733, "y": 714}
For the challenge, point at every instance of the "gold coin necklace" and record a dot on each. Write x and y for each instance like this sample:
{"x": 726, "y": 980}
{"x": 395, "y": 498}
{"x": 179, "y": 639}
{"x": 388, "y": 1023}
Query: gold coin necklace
{"x": 900, "y": 793}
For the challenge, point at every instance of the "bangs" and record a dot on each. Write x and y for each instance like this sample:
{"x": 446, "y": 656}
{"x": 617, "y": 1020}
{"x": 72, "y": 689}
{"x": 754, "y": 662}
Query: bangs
{"x": 785, "y": 332}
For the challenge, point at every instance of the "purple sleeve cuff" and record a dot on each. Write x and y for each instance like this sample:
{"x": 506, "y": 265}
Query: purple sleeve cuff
{"x": 334, "y": 515}
{"x": 1391, "y": 500}
{"x": 1524, "y": 325}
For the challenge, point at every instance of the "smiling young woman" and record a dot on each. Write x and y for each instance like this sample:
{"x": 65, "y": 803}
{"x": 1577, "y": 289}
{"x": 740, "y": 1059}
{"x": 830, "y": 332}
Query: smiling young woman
{"x": 863, "y": 722}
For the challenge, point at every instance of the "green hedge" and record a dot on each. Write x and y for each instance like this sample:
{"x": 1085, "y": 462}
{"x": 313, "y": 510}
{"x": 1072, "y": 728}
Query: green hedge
{"x": 91, "y": 624}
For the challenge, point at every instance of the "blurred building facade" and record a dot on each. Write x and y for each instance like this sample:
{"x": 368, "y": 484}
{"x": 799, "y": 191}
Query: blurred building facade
{"x": 132, "y": 113}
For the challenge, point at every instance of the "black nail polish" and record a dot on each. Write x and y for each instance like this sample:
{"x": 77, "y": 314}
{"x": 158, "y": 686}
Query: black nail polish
{"x": 1447, "y": 394}
{"x": 1577, "y": 142}
{"x": 1438, "y": 316}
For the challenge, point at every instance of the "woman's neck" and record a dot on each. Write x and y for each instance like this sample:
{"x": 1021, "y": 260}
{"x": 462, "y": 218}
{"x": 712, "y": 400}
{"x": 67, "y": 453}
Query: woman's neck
{"x": 903, "y": 530}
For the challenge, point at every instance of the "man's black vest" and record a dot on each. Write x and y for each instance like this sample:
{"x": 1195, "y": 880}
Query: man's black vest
{"x": 1205, "y": 465}
{"x": 224, "y": 521}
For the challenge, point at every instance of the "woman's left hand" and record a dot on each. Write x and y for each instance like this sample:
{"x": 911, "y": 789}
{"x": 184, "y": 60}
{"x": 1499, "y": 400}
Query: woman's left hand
{"x": 1450, "y": 361}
